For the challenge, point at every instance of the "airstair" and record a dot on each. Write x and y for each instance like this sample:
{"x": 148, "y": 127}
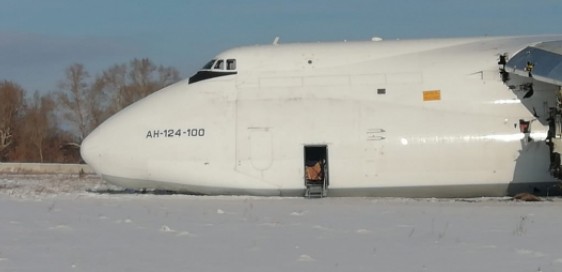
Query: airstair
{"x": 316, "y": 190}
{"x": 316, "y": 179}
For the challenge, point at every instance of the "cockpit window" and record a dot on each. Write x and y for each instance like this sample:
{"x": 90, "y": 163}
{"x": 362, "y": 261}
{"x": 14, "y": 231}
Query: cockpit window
{"x": 208, "y": 65}
{"x": 219, "y": 65}
{"x": 215, "y": 68}
{"x": 230, "y": 64}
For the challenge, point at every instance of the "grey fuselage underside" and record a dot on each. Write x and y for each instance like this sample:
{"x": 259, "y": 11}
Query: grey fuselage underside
{"x": 439, "y": 191}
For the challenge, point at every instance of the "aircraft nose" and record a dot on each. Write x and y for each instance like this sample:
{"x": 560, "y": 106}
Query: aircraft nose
{"x": 90, "y": 150}
{"x": 112, "y": 149}
{"x": 118, "y": 149}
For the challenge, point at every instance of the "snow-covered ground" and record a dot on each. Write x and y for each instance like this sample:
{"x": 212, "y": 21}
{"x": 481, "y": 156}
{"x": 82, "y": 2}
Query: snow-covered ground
{"x": 62, "y": 223}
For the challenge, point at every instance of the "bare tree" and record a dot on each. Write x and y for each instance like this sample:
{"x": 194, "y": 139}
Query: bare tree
{"x": 11, "y": 103}
{"x": 99, "y": 104}
{"x": 114, "y": 80}
{"x": 74, "y": 98}
{"x": 141, "y": 77}
{"x": 39, "y": 123}
{"x": 146, "y": 77}
{"x": 125, "y": 84}
{"x": 86, "y": 104}
{"x": 167, "y": 76}
{"x": 32, "y": 129}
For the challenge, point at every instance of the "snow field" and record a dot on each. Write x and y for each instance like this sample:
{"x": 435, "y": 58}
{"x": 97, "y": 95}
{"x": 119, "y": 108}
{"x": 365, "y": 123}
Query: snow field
{"x": 74, "y": 227}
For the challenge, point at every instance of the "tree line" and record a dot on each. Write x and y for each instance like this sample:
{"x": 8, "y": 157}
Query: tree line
{"x": 49, "y": 127}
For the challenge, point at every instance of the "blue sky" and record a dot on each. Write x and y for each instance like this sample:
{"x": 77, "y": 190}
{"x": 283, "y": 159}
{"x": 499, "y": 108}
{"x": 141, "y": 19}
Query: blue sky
{"x": 39, "y": 39}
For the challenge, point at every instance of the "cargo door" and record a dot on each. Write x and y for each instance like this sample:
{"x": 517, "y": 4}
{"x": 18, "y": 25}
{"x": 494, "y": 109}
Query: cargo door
{"x": 316, "y": 175}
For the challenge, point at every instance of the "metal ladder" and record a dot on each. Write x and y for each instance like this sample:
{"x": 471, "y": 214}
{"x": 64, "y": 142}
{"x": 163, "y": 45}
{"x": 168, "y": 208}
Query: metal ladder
{"x": 316, "y": 190}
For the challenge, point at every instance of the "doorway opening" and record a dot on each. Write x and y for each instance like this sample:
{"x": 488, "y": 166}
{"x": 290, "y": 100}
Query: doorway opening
{"x": 316, "y": 178}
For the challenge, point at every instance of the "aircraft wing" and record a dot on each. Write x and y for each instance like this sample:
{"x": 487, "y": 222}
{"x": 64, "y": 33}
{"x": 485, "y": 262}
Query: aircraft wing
{"x": 542, "y": 62}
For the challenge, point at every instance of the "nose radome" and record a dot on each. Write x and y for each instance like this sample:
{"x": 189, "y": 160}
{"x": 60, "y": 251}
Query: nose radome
{"x": 90, "y": 150}
{"x": 112, "y": 149}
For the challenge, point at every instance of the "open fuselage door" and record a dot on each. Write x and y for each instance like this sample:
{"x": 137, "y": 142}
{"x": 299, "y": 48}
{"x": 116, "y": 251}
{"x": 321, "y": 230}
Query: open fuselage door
{"x": 316, "y": 171}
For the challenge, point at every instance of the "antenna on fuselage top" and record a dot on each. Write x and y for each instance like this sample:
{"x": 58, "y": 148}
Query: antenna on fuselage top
{"x": 276, "y": 41}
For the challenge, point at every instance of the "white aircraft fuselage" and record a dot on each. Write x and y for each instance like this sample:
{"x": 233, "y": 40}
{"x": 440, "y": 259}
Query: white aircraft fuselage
{"x": 408, "y": 118}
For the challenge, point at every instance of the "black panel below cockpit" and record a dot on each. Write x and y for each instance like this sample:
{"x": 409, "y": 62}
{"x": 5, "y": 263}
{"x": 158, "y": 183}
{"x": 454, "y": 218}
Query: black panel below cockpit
{"x": 202, "y": 75}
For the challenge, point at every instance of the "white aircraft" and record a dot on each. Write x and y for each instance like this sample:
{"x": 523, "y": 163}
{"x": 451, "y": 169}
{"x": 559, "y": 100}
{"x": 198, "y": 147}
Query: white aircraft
{"x": 459, "y": 117}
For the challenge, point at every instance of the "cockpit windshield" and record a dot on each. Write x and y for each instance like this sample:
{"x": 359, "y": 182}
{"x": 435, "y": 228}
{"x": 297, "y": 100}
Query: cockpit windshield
{"x": 208, "y": 65}
{"x": 215, "y": 68}
{"x": 220, "y": 65}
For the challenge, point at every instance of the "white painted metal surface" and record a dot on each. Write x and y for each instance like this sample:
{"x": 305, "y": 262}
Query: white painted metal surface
{"x": 420, "y": 118}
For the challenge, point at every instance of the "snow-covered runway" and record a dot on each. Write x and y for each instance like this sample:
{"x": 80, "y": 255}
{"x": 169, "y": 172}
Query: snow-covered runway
{"x": 59, "y": 223}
